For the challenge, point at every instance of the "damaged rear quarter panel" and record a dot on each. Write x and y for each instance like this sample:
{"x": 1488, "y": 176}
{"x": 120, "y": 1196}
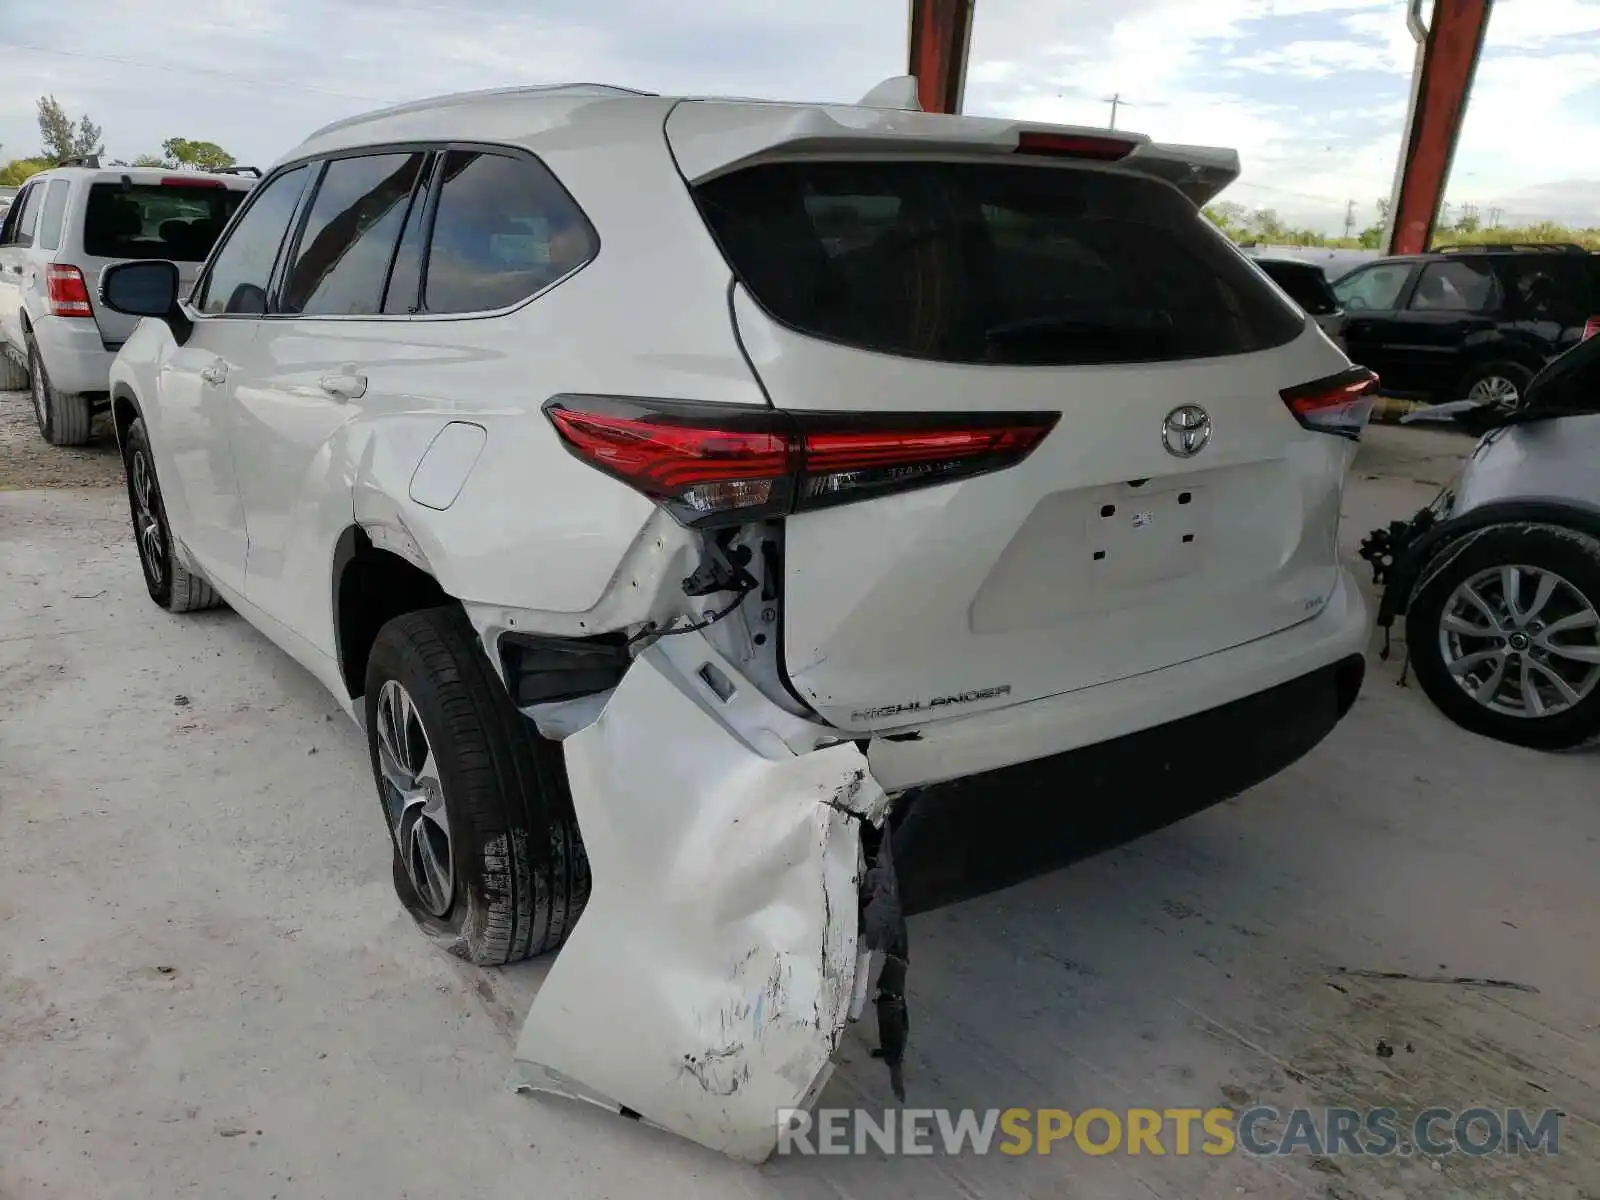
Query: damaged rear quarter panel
{"x": 709, "y": 979}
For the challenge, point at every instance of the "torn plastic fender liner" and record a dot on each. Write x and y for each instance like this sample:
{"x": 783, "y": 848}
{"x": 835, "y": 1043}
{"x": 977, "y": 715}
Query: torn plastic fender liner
{"x": 708, "y": 981}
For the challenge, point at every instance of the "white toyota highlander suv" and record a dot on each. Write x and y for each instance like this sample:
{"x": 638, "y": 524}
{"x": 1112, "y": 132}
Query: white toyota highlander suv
{"x": 725, "y": 480}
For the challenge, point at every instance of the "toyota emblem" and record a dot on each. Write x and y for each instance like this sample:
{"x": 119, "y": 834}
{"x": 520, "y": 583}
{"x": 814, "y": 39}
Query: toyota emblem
{"x": 1186, "y": 430}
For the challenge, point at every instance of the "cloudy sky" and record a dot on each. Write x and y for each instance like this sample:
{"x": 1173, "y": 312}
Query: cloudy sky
{"x": 1311, "y": 92}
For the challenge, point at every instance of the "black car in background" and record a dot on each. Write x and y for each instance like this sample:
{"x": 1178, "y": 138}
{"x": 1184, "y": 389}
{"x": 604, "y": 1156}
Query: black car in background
{"x": 1469, "y": 322}
{"x": 1307, "y": 286}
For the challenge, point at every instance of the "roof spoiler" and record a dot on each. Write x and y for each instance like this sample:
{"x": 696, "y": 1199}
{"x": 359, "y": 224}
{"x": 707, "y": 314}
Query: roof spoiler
{"x": 707, "y": 144}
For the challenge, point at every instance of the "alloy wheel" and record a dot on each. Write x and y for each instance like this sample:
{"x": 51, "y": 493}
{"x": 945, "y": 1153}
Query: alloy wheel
{"x": 1496, "y": 390}
{"x": 146, "y": 522}
{"x": 1522, "y": 641}
{"x": 41, "y": 398}
{"x": 413, "y": 797}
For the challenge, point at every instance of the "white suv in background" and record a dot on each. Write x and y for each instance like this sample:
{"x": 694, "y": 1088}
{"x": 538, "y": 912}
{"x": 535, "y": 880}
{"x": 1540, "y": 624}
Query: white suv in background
{"x": 690, "y": 496}
{"x": 63, "y": 227}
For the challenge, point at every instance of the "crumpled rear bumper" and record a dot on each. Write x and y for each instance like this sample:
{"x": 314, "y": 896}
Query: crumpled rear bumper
{"x": 711, "y": 976}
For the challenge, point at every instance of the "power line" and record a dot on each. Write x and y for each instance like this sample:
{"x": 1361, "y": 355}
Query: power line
{"x": 274, "y": 84}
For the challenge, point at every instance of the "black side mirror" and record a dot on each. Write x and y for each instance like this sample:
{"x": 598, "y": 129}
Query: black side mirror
{"x": 140, "y": 289}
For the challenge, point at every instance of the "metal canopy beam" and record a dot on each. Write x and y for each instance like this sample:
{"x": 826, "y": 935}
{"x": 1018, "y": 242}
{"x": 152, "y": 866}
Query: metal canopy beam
{"x": 1448, "y": 47}
{"x": 941, "y": 32}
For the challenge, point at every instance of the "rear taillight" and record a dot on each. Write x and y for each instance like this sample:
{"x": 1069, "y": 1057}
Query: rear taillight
{"x": 1073, "y": 145}
{"x": 65, "y": 292}
{"x": 711, "y": 465}
{"x": 1591, "y": 327}
{"x": 1339, "y": 404}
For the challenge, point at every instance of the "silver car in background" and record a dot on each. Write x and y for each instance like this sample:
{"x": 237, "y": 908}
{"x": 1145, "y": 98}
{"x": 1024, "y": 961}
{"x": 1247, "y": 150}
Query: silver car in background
{"x": 1499, "y": 578}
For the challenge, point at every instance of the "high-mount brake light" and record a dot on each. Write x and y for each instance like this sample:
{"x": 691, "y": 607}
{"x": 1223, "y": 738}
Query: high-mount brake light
{"x": 189, "y": 181}
{"x": 1339, "y": 404}
{"x": 712, "y": 465}
{"x": 1074, "y": 145}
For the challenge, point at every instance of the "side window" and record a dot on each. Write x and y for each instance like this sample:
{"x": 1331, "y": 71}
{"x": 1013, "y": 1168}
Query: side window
{"x": 1548, "y": 286}
{"x": 350, "y": 235}
{"x": 404, "y": 293}
{"x": 54, "y": 213}
{"x": 1376, "y": 287}
{"x": 504, "y": 229}
{"x": 24, "y": 215}
{"x": 1454, "y": 287}
{"x": 242, "y": 267}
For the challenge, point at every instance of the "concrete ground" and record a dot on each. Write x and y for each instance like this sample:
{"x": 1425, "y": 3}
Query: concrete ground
{"x": 207, "y": 988}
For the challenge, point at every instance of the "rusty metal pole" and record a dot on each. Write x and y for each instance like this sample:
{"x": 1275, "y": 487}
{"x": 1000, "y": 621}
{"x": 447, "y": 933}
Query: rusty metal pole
{"x": 1448, "y": 48}
{"x": 941, "y": 32}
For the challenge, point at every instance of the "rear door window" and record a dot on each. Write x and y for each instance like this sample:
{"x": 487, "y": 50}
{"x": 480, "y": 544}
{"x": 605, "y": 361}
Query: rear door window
{"x": 53, "y": 214}
{"x": 990, "y": 263}
{"x": 350, "y": 235}
{"x": 504, "y": 229}
{"x": 179, "y": 220}
{"x": 1455, "y": 286}
{"x": 1377, "y": 287}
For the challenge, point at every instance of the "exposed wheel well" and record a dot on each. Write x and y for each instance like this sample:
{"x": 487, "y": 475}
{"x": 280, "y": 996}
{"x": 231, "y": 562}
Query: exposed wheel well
{"x": 123, "y": 414}
{"x": 371, "y": 587}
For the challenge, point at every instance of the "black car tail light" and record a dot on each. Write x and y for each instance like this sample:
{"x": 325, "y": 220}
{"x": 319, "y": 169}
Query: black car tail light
{"x": 1339, "y": 404}
{"x": 714, "y": 465}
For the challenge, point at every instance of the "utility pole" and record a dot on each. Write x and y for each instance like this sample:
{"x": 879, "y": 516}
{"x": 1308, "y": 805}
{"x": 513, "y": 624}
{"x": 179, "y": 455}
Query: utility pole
{"x": 1115, "y": 100}
{"x": 1495, "y": 213}
{"x": 1349, "y": 219}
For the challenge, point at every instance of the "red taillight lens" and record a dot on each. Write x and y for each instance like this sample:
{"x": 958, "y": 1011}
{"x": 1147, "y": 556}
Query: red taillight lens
{"x": 712, "y": 466}
{"x": 186, "y": 181}
{"x": 1072, "y": 145}
{"x": 66, "y": 293}
{"x": 1591, "y": 327}
{"x": 1339, "y": 404}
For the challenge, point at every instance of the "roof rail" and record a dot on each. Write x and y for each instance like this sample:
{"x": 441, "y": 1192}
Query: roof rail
{"x": 552, "y": 89}
{"x": 1514, "y": 248}
{"x": 86, "y": 160}
{"x": 256, "y": 171}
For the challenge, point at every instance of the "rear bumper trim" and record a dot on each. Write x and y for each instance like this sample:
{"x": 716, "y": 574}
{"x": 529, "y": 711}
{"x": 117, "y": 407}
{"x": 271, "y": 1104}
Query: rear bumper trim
{"x": 1041, "y": 728}
{"x": 971, "y": 836}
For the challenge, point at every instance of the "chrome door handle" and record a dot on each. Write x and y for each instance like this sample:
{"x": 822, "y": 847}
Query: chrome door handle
{"x": 344, "y": 385}
{"x": 215, "y": 373}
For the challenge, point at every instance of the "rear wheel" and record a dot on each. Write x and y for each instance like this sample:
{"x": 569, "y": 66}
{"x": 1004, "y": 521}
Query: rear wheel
{"x": 1504, "y": 634}
{"x": 487, "y": 857}
{"x": 63, "y": 417}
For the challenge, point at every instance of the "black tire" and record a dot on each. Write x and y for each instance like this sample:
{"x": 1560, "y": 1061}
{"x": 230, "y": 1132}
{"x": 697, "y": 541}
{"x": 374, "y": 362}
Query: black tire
{"x": 13, "y": 374}
{"x": 63, "y": 418}
{"x": 519, "y": 875}
{"x": 170, "y": 584}
{"x": 1572, "y": 555}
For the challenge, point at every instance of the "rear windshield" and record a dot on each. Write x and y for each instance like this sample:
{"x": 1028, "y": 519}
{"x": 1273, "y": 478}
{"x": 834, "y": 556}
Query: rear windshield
{"x": 1307, "y": 285}
{"x": 981, "y": 263}
{"x": 173, "y": 221}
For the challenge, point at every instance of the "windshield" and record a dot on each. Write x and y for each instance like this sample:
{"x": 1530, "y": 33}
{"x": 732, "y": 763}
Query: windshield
{"x": 174, "y": 221}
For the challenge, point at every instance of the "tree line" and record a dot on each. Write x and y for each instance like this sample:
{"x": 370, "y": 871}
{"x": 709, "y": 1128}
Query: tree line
{"x": 61, "y": 138}
{"x": 1457, "y": 224}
